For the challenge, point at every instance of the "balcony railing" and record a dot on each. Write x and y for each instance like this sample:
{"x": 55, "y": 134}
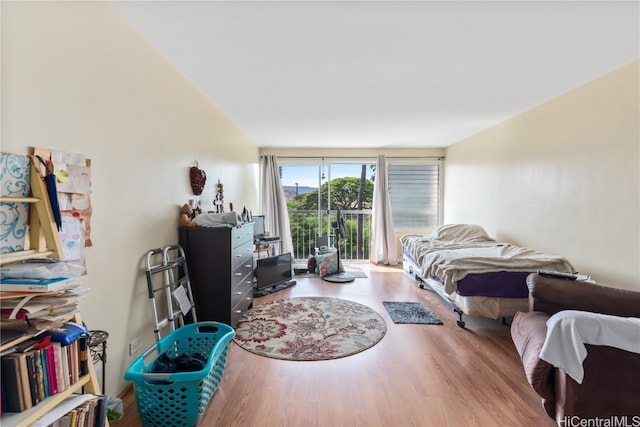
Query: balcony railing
{"x": 355, "y": 244}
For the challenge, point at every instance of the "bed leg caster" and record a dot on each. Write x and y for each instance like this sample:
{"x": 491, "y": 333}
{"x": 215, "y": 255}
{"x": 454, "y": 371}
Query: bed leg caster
{"x": 504, "y": 321}
{"x": 459, "y": 322}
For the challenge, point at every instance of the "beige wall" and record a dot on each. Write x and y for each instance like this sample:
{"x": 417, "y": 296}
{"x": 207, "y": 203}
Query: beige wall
{"x": 561, "y": 178}
{"x": 76, "y": 77}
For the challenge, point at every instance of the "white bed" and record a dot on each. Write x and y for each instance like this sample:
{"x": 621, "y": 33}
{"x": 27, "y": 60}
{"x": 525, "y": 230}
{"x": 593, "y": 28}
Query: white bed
{"x": 476, "y": 274}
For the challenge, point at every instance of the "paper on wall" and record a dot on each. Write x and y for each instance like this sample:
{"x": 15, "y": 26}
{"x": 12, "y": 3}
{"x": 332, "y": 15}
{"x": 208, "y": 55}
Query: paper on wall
{"x": 67, "y": 157}
{"x": 72, "y": 238}
{"x": 72, "y": 178}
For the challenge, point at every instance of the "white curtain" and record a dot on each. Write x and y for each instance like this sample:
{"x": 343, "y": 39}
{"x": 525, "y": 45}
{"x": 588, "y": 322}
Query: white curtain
{"x": 383, "y": 240}
{"x": 274, "y": 203}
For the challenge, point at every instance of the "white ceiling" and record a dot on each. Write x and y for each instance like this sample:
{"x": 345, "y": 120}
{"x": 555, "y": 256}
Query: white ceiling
{"x": 384, "y": 73}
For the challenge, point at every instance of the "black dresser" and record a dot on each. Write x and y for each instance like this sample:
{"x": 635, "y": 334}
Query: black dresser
{"x": 220, "y": 262}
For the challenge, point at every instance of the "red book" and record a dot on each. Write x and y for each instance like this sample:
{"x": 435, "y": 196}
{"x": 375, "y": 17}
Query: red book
{"x": 51, "y": 370}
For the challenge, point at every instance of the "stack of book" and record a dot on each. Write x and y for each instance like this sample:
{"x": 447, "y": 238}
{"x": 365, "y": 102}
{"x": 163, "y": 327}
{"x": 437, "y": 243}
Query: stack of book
{"x": 39, "y": 310}
{"x": 39, "y": 275}
{"x": 42, "y": 366}
{"x": 46, "y": 290}
{"x": 37, "y": 285}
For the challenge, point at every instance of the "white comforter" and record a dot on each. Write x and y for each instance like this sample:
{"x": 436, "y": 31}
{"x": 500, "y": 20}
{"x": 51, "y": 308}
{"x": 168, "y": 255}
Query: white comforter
{"x": 455, "y": 250}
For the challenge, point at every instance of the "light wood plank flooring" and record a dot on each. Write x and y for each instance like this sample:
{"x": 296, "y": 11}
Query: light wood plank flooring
{"x": 418, "y": 375}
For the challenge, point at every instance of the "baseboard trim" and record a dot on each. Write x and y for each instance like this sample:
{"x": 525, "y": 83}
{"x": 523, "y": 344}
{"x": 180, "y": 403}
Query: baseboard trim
{"x": 127, "y": 389}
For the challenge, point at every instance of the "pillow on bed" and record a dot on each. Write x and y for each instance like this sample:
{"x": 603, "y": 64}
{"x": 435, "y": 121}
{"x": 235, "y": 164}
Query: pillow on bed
{"x": 460, "y": 232}
{"x": 328, "y": 263}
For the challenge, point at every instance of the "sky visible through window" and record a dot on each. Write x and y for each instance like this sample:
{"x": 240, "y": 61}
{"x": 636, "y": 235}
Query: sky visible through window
{"x": 307, "y": 176}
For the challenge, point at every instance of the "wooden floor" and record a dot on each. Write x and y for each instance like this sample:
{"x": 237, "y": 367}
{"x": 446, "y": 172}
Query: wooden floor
{"x": 418, "y": 375}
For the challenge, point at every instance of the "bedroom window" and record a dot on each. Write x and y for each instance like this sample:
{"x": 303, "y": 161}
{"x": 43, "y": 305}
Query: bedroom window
{"x": 415, "y": 192}
{"x": 315, "y": 188}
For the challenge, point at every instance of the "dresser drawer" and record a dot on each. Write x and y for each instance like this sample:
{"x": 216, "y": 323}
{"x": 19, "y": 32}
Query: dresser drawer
{"x": 241, "y": 290}
{"x": 242, "y": 277}
{"x": 242, "y": 255}
{"x": 241, "y": 273}
{"x": 245, "y": 303}
{"x": 241, "y": 236}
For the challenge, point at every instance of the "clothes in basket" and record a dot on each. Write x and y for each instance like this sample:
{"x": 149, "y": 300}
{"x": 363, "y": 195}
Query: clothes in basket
{"x": 182, "y": 363}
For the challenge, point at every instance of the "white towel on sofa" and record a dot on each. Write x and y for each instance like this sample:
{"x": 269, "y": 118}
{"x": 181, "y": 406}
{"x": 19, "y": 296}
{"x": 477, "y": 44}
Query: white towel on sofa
{"x": 568, "y": 331}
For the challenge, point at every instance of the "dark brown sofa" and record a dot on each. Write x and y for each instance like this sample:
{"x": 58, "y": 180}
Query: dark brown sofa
{"x": 611, "y": 385}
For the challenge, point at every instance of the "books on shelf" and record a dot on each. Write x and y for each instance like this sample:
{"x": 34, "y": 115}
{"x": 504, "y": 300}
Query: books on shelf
{"x": 36, "y": 285}
{"x": 43, "y": 366}
{"x": 78, "y": 409}
{"x": 13, "y": 384}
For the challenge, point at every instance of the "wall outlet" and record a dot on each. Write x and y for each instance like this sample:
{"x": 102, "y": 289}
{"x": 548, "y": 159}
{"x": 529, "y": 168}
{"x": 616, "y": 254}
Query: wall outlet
{"x": 134, "y": 346}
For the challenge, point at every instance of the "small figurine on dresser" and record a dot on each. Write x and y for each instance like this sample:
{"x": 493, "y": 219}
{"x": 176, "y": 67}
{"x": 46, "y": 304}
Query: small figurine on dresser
{"x": 186, "y": 216}
{"x": 195, "y": 207}
{"x": 219, "y": 200}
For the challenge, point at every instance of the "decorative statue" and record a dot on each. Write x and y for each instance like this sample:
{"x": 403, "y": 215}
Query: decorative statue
{"x": 219, "y": 200}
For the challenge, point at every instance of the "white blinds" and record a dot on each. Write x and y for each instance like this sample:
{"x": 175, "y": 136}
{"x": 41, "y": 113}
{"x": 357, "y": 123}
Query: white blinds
{"x": 414, "y": 189}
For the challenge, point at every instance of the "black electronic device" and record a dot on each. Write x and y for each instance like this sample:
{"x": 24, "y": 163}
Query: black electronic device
{"x": 258, "y": 227}
{"x": 557, "y": 275}
{"x": 274, "y": 270}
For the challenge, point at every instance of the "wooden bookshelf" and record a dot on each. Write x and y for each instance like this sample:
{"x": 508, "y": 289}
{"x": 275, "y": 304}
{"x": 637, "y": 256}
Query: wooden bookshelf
{"x": 43, "y": 242}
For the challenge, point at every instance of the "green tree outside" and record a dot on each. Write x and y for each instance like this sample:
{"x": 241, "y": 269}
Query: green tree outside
{"x": 347, "y": 193}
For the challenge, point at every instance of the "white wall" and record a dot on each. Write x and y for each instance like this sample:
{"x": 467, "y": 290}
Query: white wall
{"x": 561, "y": 178}
{"x": 76, "y": 77}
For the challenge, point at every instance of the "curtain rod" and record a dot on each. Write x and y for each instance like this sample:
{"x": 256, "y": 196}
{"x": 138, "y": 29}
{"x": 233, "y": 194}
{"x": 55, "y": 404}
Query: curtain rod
{"x": 358, "y": 157}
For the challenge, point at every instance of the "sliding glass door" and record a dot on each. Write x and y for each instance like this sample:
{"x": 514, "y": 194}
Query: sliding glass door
{"x": 315, "y": 189}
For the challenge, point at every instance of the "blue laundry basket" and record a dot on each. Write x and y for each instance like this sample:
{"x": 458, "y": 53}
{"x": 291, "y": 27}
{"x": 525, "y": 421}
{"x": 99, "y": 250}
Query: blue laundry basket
{"x": 179, "y": 399}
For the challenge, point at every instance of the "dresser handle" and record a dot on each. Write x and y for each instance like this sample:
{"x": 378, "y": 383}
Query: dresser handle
{"x": 248, "y": 298}
{"x": 238, "y": 274}
{"x": 238, "y": 293}
{"x": 237, "y": 311}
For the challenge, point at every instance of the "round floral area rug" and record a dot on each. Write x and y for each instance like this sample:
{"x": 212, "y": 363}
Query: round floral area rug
{"x": 309, "y": 328}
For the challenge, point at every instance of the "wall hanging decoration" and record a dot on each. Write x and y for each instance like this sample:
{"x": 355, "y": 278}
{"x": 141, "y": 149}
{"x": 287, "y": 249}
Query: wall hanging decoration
{"x": 198, "y": 179}
{"x": 73, "y": 185}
